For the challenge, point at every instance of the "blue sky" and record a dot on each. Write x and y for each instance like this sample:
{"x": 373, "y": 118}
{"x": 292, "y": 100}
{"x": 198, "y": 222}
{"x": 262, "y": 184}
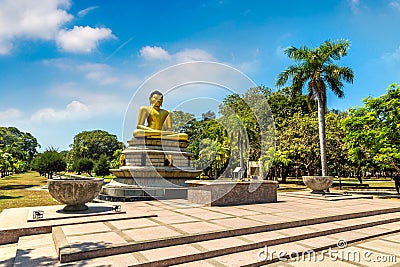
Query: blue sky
{"x": 68, "y": 66}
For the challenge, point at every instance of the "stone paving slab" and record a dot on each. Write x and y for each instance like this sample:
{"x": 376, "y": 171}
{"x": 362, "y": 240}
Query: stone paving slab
{"x": 333, "y": 196}
{"x": 236, "y": 259}
{"x": 179, "y": 215}
{"x": 292, "y": 253}
{"x": 36, "y": 250}
{"x": 7, "y": 254}
{"x": 381, "y": 251}
{"x": 55, "y": 213}
{"x": 83, "y": 239}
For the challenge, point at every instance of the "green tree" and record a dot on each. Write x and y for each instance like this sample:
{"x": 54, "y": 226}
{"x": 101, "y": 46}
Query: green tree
{"x": 180, "y": 120}
{"x": 83, "y": 165}
{"x": 5, "y": 163}
{"x": 93, "y": 144}
{"x": 284, "y": 105}
{"x": 372, "y": 131}
{"x": 209, "y": 115}
{"x": 297, "y": 145}
{"x": 116, "y": 159}
{"x": 316, "y": 69}
{"x": 49, "y": 162}
{"x": 20, "y": 142}
{"x": 102, "y": 166}
{"x": 249, "y": 113}
{"x": 17, "y": 150}
{"x": 207, "y": 139}
{"x": 337, "y": 154}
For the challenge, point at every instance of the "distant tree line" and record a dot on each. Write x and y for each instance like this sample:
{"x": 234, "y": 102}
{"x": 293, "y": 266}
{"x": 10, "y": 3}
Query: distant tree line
{"x": 360, "y": 141}
{"x": 91, "y": 152}
{"x": 17, "y": 149}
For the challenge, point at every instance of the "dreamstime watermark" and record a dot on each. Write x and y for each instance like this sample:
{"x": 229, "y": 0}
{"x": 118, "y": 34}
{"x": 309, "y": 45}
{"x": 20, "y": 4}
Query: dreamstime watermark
{"x": 331, "y": 254}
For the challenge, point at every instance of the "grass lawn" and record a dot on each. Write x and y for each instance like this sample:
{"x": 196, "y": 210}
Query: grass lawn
{"x": 23, "y": 190}
{"x": 381, "y": 183}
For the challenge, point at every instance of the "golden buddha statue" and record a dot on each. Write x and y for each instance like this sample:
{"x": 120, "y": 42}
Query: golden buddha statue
{"x": 159, "y": 121}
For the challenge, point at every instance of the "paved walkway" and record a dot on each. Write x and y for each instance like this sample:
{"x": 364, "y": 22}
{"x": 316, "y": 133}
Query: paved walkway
{"x": 177, "y": 219}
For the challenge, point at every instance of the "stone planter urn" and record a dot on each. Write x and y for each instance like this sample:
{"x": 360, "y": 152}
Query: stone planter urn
{"x": 74, "y": 192}
{"x": 318, "y": 184}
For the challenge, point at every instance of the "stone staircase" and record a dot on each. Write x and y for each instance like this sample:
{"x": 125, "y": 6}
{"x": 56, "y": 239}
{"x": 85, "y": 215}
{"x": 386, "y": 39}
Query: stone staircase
{"x": 237, "y": 246}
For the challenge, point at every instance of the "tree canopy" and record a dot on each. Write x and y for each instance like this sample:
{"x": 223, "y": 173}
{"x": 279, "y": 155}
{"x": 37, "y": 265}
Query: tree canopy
{"x": 93, "y": 144}
{"x": 372, "y": 131}
{"x": 49, "y": 162}
{"x": 315, "y": 69}
{"x": 17, "y": 149}
{"x": 181, "y": 120}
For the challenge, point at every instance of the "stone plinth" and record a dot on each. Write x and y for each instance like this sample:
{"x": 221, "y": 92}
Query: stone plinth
{"x": 74, "y": 192}
{"x": 154, "y": 168}
{"x": 226, "y": 193}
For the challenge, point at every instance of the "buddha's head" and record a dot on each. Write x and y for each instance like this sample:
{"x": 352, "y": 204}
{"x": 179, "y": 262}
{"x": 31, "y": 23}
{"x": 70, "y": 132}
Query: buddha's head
{"x": 156, "y": 99}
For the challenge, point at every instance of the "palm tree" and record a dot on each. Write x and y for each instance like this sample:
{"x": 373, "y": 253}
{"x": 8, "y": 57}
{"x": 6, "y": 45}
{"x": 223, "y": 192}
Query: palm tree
{"x": 315, "y": 68}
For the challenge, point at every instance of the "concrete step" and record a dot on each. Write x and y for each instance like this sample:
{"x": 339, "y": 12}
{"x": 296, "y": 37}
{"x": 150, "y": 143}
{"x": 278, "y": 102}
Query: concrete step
{"x": 7, "y": 254}
{"x": 195, "y": 247}
{"x": 312, "y": 250}
{"x": 36, "y": 250}
{"x": 233, "y": 251}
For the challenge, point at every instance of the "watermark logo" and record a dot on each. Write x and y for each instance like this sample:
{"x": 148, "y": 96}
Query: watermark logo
{"x": 343, "y": 253}
{"x": 341, "y": 244}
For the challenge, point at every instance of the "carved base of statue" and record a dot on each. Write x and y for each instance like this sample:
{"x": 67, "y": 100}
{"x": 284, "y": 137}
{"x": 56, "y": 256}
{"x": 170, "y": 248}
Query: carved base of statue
{"x": 154, "y": 168}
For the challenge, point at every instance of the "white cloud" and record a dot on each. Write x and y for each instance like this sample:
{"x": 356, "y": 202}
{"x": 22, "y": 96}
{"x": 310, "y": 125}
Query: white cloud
{"x": 186, "y": 55}
{"x": 5, "y": 47}
{"x": 99, "y": 103}
{"x": 30, "y": 19}
{"x": 354, "y": 5}
{"x": 102, "y": 77}
{"x": 395, "y": 4}
{"x": 358, "y": 6}
{"x": 99, "y": 73}
{"x": 393, "y": 56}
{"x": 86, "y": 11}
{"x": 93, "y": 67}
{"x": 10, "y": 114}
{"x": 73, "y": 111}
{"x": 193, "y": 55}
{"x": 280, "y": 52}
{"x": 103, "y": 74}
{"x": 82, "y": 39}
{"x": 154, "y": 53}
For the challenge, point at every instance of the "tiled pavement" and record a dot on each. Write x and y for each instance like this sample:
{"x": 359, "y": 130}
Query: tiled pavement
{"x": 225, "y": 236}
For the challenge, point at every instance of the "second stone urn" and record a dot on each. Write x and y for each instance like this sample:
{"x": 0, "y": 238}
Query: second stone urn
{"x": 318, "y": 184}
{"x": 74, "y": 192}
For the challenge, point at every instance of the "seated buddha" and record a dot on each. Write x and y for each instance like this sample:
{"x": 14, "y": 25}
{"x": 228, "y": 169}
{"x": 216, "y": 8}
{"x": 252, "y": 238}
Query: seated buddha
{"x": 159, "y": 121}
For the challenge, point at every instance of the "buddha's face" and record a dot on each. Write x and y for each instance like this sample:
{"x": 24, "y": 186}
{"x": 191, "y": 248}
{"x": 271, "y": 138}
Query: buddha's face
{"x": 156, "y": 100}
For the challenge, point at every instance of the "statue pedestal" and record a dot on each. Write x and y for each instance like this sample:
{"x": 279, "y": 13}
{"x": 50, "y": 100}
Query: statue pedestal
{"x": 154, "y": 168}
{"x": 227, "y": 193}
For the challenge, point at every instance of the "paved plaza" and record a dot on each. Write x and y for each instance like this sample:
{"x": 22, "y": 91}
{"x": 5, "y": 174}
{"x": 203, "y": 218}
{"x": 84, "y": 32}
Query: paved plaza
{"x": 176, "y": 232}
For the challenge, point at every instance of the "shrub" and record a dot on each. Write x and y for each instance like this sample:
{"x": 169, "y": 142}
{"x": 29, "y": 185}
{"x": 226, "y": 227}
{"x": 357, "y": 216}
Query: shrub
{"x": 102, "y": 166}
{"x": 83, "y": 165}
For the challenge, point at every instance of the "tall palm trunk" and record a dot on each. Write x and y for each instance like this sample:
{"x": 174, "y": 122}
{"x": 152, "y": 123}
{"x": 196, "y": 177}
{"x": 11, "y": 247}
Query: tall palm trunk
{"x": 321, "y": 128}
